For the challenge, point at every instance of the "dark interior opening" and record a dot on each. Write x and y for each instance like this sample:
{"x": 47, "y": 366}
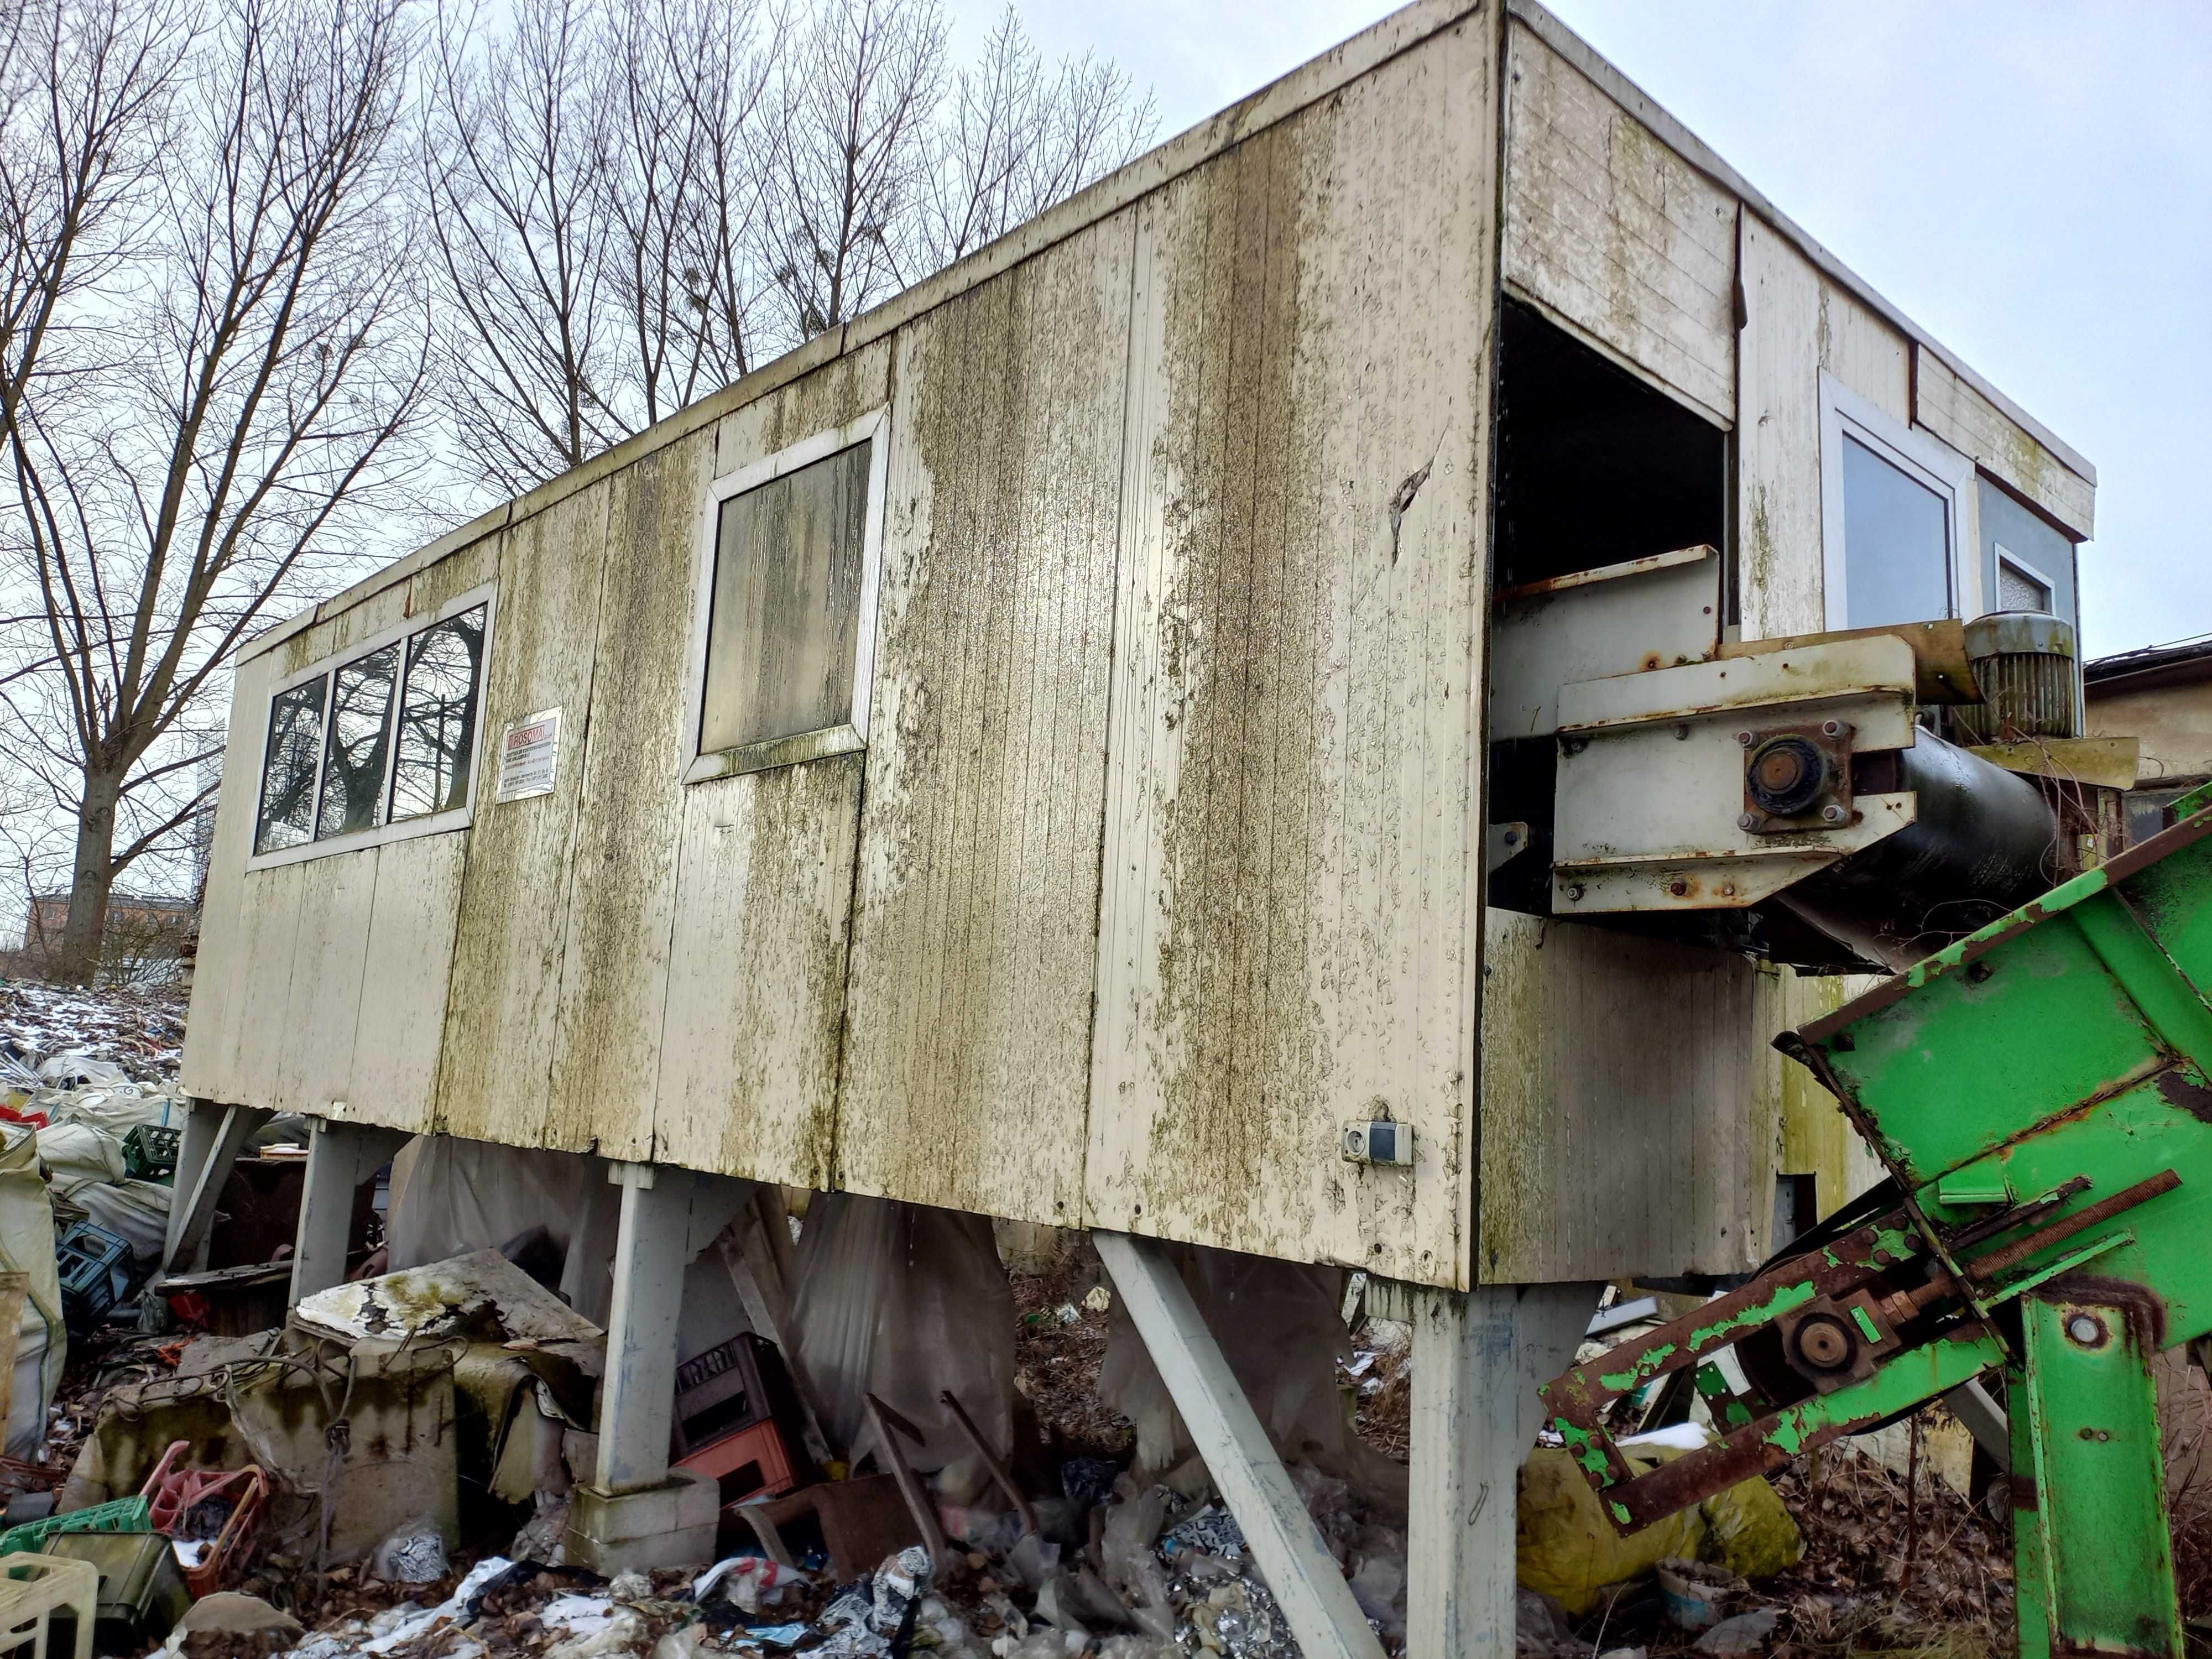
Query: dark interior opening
{"x": 1594, "y": 466}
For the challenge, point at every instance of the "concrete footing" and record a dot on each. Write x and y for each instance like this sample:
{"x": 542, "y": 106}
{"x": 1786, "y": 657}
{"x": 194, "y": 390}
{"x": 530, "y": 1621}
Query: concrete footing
{"x": 669, "y": 1525}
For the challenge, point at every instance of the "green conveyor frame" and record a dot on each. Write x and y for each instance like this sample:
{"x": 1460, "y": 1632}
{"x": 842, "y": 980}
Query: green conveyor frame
{"x": 2041, "y": 1095}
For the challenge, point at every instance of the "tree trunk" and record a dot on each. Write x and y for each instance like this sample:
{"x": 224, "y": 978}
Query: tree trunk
{"x": 77, "y": 963}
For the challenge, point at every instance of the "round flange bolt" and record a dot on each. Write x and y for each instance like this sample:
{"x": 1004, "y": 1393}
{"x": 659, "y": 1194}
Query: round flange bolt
{"x": 2086, "y": 1329}
{"x": 1785, "y": 776}
{"x": 1824, "y": 1344}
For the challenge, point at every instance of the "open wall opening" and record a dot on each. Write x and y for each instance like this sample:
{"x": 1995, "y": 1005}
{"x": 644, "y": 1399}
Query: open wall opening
{"x": 1594, "y": 467}
{"x": 1596, "y": 470}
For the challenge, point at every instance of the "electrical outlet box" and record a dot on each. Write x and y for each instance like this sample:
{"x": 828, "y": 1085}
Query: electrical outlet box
{"x": 1378, "y": 1142}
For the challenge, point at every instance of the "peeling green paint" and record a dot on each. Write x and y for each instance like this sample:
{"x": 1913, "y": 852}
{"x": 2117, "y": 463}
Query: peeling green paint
{"x": 1647, "y": 1365}
{"x": 1789, "y": 1296}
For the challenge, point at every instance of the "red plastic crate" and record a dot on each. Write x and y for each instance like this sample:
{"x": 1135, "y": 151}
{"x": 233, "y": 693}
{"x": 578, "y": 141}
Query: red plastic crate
{"x": 747, "y": 1463}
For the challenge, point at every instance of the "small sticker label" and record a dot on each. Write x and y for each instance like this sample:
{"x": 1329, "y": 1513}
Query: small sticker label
{"x": 528, "y": 756}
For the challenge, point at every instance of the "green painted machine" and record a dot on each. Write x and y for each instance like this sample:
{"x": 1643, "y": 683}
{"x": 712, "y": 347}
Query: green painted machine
{"x": 2041, "y": 1094}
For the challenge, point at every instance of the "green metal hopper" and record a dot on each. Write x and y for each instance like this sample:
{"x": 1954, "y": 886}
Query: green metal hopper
{"x": 2041, "y": 1094}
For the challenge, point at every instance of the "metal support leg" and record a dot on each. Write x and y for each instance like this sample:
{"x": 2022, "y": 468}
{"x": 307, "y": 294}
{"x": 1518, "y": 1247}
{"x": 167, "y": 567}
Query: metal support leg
{"x": 1318, "y": 1604}
{"x": 1478, "y": 1361}
{"x": 2093, "y": 1547}
{"x": 340, "y": 1156}
{"x": 212, "y": 1139}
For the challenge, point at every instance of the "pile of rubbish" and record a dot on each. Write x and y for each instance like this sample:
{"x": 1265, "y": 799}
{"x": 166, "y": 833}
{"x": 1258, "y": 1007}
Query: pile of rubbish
{"x": 140, "y": 1033}
{"x": 912, "y": 1435}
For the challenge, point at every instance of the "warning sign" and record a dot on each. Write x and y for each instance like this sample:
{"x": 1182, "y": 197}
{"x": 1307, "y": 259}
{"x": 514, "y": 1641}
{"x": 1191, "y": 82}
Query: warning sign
{"x": 528, "y": 756}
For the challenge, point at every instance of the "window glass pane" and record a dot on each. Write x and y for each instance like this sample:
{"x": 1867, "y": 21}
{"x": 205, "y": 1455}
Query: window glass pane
{"x": 360, "y": 740}
{"x": 785, "y": 624}
{"x": 1897, "y": 543}
{"x": 2018, "y": 591}
{"x": 287, "y": 771}
{"x": 438, "y": 717}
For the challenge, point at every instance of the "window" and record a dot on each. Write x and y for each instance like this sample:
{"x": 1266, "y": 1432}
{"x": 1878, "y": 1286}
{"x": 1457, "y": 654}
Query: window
{"x": 2020, "y": 585}
{"x": 438, "y": 717}
{"x": 383, "y": 741}
{"x": 1889, "y": 502}
{"x": 360, "y": 735}
{"x": 783, "y": 642}
{"x": 287, "y": 771}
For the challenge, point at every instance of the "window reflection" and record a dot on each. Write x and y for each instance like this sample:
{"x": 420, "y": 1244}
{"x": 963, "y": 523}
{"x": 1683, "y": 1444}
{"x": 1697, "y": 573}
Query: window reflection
{"x": 288, "y": 775}
{"x": 1897, "y": 543}
{"x": 360, "y": 734}
{"x": 438, "y": 717}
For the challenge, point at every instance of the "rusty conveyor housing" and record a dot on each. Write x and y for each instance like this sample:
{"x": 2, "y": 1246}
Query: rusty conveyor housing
{"x": 1795, "y": 797}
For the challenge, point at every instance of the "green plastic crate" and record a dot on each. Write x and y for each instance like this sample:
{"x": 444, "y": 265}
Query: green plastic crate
{"x": 123, "y": 1515}
{"x": 149, "y": 1153}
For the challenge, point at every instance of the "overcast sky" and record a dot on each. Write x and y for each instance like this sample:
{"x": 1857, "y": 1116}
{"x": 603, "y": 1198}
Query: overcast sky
{"x": 2030, "y": 182}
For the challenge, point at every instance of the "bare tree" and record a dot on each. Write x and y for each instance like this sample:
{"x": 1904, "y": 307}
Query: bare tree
{"x": 518, "y": 215}
{"x": 855, "y": 107}
{"x": 682, "y": 98}
{"x": 1018, "y": 138}
{"x": 635, "y": 203}
{"x": 211, "y": 362}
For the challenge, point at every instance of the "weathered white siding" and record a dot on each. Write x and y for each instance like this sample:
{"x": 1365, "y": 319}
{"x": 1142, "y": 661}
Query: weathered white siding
{"x": 1611, "y": 232}
{"x": 1619, "y": 1078}
{"x": 512, "y": 933}
{"x": 756, "y": 996}
{"x": 974, "y": 950}
{"x": 1798, "y": 323}
{"x": 1953, "y": 410}
{"x": 1290, "y": 932}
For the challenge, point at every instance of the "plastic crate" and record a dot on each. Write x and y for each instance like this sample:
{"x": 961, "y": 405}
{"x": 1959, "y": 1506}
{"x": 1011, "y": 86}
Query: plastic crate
{"x": 123, "y": 1515}
{"x": 96, "y": 1273}
{"x": 149, "y": 1153}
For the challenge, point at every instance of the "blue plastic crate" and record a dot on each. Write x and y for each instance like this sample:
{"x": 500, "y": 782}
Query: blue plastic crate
{"x": 96, "y": 1273}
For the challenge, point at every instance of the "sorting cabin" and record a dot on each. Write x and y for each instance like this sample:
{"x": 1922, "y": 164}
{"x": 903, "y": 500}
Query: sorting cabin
{"x": 1221, "y": 717}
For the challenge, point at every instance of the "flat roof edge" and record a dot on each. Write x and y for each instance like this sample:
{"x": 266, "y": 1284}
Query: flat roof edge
{"x": 1702, "y": 156}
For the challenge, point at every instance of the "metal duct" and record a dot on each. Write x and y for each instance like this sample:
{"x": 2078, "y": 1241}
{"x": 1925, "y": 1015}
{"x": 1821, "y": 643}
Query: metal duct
{"x": 1984, "y": 841}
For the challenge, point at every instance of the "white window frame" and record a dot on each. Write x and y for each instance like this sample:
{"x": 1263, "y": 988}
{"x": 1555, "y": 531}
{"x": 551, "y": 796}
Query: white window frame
{"x": 1921, "y": 456}
{"x": 434, "y": 823}
{"x": 2005, "y": 556}
{"x": 844, "y": 740}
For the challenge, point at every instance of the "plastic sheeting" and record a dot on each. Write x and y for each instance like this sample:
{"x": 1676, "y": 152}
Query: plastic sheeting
{"x": 904, "y": 1302}
{"x": 1281, "y": 1327}
{"x": 27, "y": 1245}
{"x": 450, "y": 1196}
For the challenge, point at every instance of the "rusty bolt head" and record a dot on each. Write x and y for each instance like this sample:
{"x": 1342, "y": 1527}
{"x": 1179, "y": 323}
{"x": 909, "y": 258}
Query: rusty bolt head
{"x": 1745, "y": 738}
{"x": 1832, "y": 813}
{"x": 1833, "y": 728}
{"x": 1728, "y": 889}
{"x": 1678, "y": 887}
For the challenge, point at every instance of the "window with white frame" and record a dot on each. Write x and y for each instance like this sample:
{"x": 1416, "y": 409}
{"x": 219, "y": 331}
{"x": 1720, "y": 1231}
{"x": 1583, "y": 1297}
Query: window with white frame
{"x": 1890, "y": 515}
{"x": 783, "y": 642}
{"x": 2020, "y": 585}
{"x": 381, "y": 744}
